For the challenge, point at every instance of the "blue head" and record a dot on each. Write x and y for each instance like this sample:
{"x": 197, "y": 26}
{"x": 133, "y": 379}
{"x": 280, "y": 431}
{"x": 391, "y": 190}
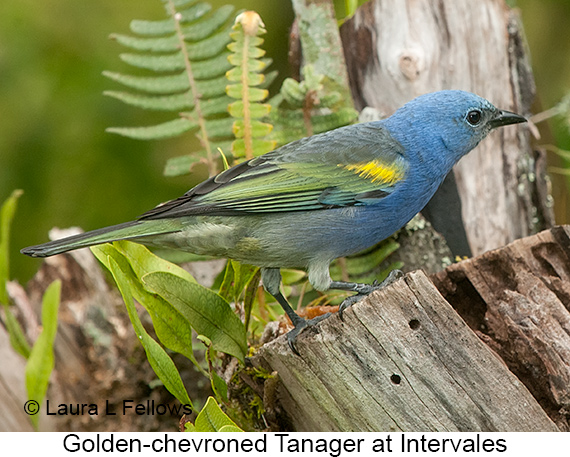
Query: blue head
{"x": 441, "y": 127}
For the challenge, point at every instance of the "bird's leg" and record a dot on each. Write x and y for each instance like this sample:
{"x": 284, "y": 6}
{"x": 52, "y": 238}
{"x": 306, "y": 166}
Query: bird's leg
{"x": 271, "y": 280}
{"x": 299, "y": 323}
{"x": 362, "y": 290}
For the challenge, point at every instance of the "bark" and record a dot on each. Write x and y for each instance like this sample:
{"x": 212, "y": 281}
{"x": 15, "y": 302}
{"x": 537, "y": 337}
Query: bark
{"x": 517, "y": 299}
{"x": 396, "y": 51}
{"x": 403, "y": 359}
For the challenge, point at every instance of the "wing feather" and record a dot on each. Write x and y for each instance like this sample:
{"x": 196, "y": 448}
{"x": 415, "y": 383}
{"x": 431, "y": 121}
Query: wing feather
{"x": 359, "y": 166}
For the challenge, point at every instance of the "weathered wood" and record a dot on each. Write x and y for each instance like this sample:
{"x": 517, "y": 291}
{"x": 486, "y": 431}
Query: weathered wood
{"x": 398, "y": 50}
{"x": 517, "y": 299}
{"x": 404, "y": 360}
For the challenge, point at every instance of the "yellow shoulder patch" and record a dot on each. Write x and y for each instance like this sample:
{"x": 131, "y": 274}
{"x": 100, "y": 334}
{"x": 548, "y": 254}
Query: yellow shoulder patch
{"x": 376, "y": 171}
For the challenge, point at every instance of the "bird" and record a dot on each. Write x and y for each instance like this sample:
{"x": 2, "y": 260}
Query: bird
{"x": 311, "y": 201}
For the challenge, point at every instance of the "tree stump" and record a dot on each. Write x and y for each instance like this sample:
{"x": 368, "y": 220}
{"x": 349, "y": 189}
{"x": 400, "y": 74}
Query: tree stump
{"x": 402, "y": 360}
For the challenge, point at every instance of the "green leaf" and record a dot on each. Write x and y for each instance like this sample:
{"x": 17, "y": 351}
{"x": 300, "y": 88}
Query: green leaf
{"x": 165, "y": 130}
{"x": 213, "y": 419}
{"x": 159, "y": 360}
{"x": 208, "y": 313}
{"x": 219, "y": 387}
{"x": 166, "y": 26}
{"x": 6, "y": 216}
{"x": 243, "y": 274}
{"x": 172, "y": 329}
{"x": 203, "y": 29}
{"x": 258, "y": 128}
{"x": 253, "y": 65}
{"x": 207, "y": 69}
{"x": 259, "y": 146}
{"x": 230, "y": 428}
{"x": 153, "y": 84}
{"x": 17, "y": 338}
{"x": 219, "y": 128}
{"x": 256, "y": 110}
{"x": 174, "y": 102}
{"x": 143, "y": 261}
{"x": 41, "y": 361}
{"x": 180, "y": 165}
{"x": 209, "y": 47}
{"x": 250, "y": 295}
{"x": 255, "y": 94}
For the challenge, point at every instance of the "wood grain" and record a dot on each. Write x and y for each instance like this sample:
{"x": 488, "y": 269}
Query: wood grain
{"x": 402, "y": 360}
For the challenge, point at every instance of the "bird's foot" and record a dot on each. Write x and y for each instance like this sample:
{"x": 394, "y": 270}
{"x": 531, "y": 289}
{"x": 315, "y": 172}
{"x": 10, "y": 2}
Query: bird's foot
{"x": 300, "y": 325}
{"x": 363, "y": 290}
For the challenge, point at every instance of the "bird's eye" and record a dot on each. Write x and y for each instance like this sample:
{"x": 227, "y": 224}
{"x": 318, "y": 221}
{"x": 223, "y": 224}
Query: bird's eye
{"x": 474, "y": 117}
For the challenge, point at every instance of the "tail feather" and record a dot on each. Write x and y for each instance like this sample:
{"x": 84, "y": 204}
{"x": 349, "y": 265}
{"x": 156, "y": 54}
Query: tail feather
{"x": 127, "y": 230}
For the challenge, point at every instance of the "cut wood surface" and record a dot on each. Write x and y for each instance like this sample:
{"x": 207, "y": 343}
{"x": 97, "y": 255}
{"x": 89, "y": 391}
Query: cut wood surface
{"x": 402, "y": 360}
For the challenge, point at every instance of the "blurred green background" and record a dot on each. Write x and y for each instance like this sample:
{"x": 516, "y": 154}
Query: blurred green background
{"x": 53, "y": 114}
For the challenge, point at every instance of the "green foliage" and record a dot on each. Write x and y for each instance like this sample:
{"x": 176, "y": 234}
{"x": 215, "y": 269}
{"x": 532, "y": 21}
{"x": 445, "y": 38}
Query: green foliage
{"x": 365, "y": 267}
{"x": 239, "y": 285}
{"x": 207, "y": 312}
{"x": 345, "y": 9}
{"x": 188, "y": 58}
{"x": 172, "y": 329}
{"x": 219, "y": 386}
{"x": 245, "y": 76}
{"x": 41, "y": 361}
{"x": 212, "y": 419}
{"x": 6, "y": 217}
{"x": 308, "y": 107}
{"x": 17, "y": 337}
{"x": 177, "y": 306}
{"x": 160, "y": 361}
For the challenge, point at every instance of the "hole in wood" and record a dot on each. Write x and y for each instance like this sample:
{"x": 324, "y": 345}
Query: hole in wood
{"x": 396, "y": 379}
{"x": 414, "y": 324}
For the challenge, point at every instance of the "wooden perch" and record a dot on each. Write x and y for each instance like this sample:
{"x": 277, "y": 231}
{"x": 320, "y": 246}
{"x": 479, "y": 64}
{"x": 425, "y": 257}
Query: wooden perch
{"x": 403, "y": 359}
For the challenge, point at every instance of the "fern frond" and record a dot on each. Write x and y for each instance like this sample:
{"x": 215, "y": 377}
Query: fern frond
{"x": 245, "y": 77}
{"x": 308, "y": 107}
{"x": 167, "y": 26}
{"x": 187, "y": 59}
{"x": 156, "y": 132}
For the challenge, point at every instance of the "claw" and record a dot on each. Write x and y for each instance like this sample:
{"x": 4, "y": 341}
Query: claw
{"x": 301, "y": 325}
{"x": 365, "y": 289}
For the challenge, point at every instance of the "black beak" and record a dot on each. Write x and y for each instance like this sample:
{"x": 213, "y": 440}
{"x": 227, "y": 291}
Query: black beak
{"x": 506, "y": 118}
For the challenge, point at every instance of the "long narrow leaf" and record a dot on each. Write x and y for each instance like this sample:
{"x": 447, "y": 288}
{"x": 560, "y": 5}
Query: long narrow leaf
{"x": 159, "y": 360}
{"x": 209, "y": 314}
{"x": 154, "y": 132}
{"x": 172, "y": 329}
{"x": 6, "y": 216}
{"x": 41, "y": 361}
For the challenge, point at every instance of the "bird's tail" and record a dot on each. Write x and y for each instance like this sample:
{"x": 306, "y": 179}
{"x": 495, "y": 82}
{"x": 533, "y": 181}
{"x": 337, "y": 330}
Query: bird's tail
{"x": 125, "y": 231}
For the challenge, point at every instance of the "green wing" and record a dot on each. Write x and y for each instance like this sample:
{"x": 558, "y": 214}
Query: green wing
{"x": 355, "y": 165}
